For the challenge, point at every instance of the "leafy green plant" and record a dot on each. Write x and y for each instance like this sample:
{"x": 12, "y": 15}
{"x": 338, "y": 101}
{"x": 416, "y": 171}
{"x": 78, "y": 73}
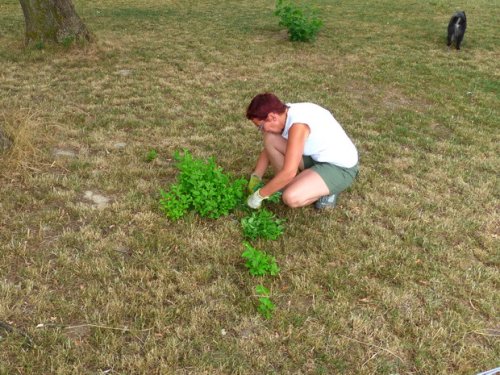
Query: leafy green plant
{"x": 68, "y": 40}
{"x": 262, "y": 224}
{"x": 39, "y": 45}
{"x": 276, "y": 197}
{"x": 151, "y": 155}
{"x": 266, "y": 306}
{"x": 174, "y": 203}
{"x": 303, "y": 24}
{"x": 202, "y": 186}
{"x": 258, "y": 262}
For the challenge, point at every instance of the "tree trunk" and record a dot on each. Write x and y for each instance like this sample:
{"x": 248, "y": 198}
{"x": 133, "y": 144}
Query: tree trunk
{"x": 53, "y": 21}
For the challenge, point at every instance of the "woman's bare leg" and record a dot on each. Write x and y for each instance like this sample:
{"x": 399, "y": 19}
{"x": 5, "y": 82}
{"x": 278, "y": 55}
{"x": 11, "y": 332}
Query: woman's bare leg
{"x": 305, "y": 189}
{"x": 275, "y": 147}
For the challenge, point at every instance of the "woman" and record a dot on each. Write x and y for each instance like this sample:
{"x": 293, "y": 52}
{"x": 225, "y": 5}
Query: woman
{"x": 312, "y": 156}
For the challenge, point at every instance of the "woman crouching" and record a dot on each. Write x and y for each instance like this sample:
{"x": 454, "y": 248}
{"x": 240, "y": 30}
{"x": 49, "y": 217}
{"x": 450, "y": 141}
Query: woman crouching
{"x": 312, "y": 157}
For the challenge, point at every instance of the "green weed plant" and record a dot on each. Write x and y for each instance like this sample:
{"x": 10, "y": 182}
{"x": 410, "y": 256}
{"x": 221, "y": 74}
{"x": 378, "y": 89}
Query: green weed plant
{"x": 68, "y": 40}
{"x": 203, "y": 187}
{"x": 258, "y": 262}
{"x": 151, "y": 155}
{"x": 266, "y": 307}
{"x": 303, "y": 24}
{"x": 275, "y": 198}
{"x": 262, "y": 224}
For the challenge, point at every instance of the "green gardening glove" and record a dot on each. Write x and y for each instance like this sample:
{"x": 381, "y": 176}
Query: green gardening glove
{"x": 254, "y": 183}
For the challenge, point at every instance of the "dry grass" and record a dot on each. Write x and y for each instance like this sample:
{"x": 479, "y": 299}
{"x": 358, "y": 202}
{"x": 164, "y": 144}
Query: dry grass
{"x": 23, "y": 132}
{"x": 401, "y": 278}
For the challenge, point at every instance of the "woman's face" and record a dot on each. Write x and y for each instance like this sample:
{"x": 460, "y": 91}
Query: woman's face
{"x": 273, "y": 123}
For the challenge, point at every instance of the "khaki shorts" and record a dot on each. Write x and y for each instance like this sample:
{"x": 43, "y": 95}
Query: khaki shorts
{"x": 336, "y": 178}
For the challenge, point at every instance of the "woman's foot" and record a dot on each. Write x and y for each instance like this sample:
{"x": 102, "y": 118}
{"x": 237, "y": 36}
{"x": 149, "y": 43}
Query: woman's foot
{"x": 326, "y": 201}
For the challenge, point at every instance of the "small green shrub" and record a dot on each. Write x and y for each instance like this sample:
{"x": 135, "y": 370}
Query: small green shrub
{"x": 39, "y": 45}
{"x": 258, "y": 262}
{"x": 151, "y": 155}
{"x": 174, "y": 203}
{"x": 68, "y": 40}
{"x": 303, "y": 24}
{"x": 262, "y": 224}
{"x": 266, "y": 306}
{"x": 201, "y": 186}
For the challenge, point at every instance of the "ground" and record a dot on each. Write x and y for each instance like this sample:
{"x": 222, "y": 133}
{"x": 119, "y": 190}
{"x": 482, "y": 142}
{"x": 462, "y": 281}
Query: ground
{"x": 401, "y": 278}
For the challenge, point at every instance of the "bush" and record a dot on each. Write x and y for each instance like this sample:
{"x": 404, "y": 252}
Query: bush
{"x": 303, "y": 24}
{"x": 202, "y": 186}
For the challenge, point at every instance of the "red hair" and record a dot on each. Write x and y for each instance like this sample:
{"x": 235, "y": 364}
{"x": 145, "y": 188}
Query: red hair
{"x": 263, "y": 104}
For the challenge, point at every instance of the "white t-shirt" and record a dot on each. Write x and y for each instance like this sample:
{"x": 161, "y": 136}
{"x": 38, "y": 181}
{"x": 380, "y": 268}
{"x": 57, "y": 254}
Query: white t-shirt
{"x": 327, "y": 141}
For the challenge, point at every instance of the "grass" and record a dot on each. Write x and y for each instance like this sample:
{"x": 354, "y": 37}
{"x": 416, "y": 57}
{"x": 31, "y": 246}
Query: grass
{"x": 401, "y": 278}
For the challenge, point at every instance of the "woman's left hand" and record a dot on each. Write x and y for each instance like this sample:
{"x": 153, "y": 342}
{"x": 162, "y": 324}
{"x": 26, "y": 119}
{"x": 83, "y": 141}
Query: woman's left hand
{"x": 255, "y": 200}
{"x": 254, "y": 183}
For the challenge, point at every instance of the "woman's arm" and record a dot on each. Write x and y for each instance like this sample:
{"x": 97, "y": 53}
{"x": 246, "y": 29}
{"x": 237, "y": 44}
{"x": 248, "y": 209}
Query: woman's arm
{"x": 293, "y": 156}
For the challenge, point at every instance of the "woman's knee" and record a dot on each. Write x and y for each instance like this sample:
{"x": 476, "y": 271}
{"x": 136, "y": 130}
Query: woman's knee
{"x": 274, "y": 141}
{"x": 292, "y": 199}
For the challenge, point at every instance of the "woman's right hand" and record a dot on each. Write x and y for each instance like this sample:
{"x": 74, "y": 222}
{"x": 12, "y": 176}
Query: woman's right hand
{"x": 255, "y": 200}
